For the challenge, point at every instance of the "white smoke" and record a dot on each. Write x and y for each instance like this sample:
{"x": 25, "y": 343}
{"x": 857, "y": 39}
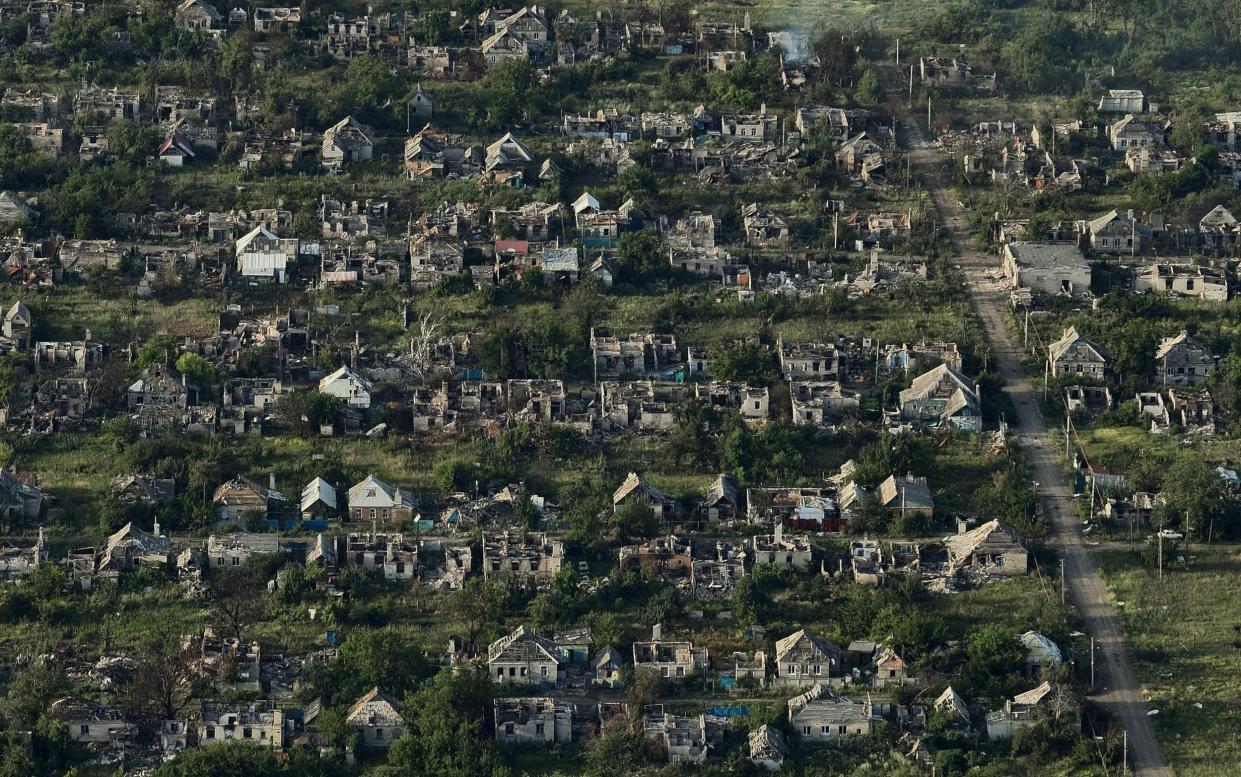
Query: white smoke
{"x": 795, "y": 44}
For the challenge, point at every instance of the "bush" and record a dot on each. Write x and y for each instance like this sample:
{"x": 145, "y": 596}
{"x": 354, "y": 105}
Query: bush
{"x": 453, "y": 475}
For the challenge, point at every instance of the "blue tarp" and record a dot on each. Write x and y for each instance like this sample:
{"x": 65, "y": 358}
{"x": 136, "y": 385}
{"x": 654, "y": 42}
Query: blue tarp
{"x": 728, "y": 712}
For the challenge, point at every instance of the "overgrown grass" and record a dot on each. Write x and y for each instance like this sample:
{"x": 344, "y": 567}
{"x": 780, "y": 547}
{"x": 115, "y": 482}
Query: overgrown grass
{"x": 1183, "y": 633}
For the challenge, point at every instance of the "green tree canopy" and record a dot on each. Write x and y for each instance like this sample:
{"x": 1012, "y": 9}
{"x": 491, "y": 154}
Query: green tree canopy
{"x": 198, "y": 370}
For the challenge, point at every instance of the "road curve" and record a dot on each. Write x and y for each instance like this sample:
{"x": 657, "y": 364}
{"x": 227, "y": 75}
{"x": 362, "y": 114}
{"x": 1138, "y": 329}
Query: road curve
{"x": 1118, "y": 689}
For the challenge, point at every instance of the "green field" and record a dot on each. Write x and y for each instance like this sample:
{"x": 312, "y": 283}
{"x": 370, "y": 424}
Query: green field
{"x": 1184, "y": 634}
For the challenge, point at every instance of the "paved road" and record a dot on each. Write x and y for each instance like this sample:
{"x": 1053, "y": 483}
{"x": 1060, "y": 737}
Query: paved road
{"x": 1118, "y": 689}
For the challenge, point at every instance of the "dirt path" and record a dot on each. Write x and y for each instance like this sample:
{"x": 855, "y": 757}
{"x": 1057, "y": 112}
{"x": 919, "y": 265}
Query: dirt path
{"x": 1118, "y": 689}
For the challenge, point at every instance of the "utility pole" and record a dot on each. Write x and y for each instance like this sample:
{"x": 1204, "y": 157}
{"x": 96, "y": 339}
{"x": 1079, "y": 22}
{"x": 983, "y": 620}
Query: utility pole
{"x": 1161, "y": 555}
{"x": 1124, "y": 762}
{"x": 928, "y": 113}
{"x": 898, "y": 52}
{"x": 1062, "y": 588}
{"x": 1092, "y": 662}
{"x": 1067, "y": 452}
{"x": 911, "y": 84}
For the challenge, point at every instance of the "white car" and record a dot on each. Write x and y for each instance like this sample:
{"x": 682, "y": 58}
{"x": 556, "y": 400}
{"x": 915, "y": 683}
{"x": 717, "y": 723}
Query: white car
{"x": 1168, "y": 534}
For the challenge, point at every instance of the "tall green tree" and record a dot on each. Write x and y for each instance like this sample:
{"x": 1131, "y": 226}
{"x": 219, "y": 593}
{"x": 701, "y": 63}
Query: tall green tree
{"x": 448, "y": 728}
{"x": 198, "y": 370}
{"x": 869, "y": 92}
{"x": 641, "y": 257}
{"x": 512, "y": 92}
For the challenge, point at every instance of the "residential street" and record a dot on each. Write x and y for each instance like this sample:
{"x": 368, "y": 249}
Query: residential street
{"x": 1118, "y": 688}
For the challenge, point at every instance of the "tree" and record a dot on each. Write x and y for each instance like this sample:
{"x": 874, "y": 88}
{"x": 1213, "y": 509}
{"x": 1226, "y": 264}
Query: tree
{"x": 480, "y": 605}
{"x": 1009, "y": 496}
{"x": 646, "y": 687}
{"x": 198, "y": 370}
{"x": 532, "y": 281}
{"x": 912, "y": 524}
{"x": 258, "y": 362}
{"x": 747, "y": 84}
{"x": 367, "y": 85}
{"x": 499, "y": 351}
{"x": 28, "y": 694}
{"x": 744, "y": 363}
{"x": 12, "y": 370}
{"x": 14, "y": 29}
{"x": 47, "y": 582}
{"x": 13, "y": 145}
{"x": 606, "y": 627}
{"x": 635, "y": 521}
{"x": 913, "y": 633}
{"x": 748, "y": 601}
{"x": 335, "y": 731}
{"x": 869, "y": 516}
{"x": 868, "y": 89}
{"x": 386, "y": 658}
{"x": 231, "y": 759}
{"x": 616, "y": 752}
{"x": 640, "y": 256}
{"x": 165, "y": 679}
{"x": 693, "y": 436}
{"x": 993, "y": 664}
{"x": 585, "y": 305}
{"x": 548, "y": 347}
{"x": 236, "y": 60}
{"x": 837, "y": 55}
{"x": 238, "y": 596}
{"x": 16, "y": 762}
{"x": 1194, "y": 496}
{"x": 512, "y": 88}
{"x": 1037, "y": 57}
{"x": 1188, "y": 134}
{"x": 131, "y": 142}
{"x": 1226, "y": 386}
{"x": 159, "y": 349}
{"x": 303, "y": 411}
{"x": 637, "y": 182}
{"x": 447, "y": 728}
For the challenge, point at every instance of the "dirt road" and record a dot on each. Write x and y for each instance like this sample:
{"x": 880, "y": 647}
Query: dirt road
{"x": 1118, "y": 690}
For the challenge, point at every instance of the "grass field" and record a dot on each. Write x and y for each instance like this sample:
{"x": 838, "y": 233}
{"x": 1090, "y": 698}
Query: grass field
{"x": 1183, "y": 633}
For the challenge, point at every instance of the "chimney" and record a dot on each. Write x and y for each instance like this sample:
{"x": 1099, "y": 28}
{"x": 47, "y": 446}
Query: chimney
{"x": 962, "y": 526}
{"x": 154, "y": 529}
{"x": 657, "y": 632}
{"x": 271, "y": 481}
